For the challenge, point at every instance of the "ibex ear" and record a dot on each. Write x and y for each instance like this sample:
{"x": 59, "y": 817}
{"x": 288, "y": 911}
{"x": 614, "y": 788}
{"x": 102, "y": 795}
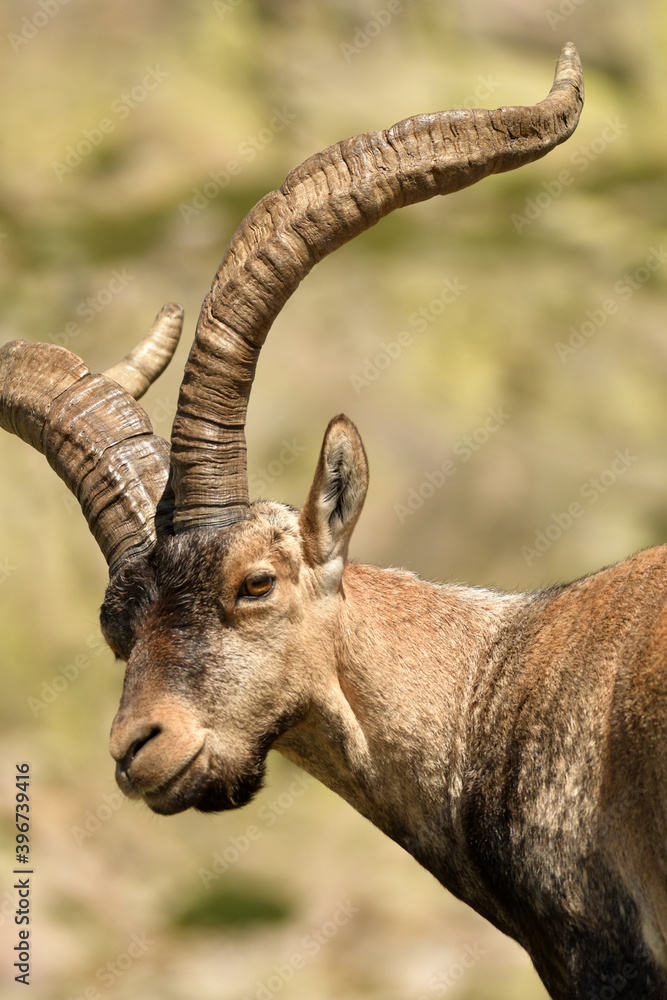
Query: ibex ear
{"x": 336, "y": 497}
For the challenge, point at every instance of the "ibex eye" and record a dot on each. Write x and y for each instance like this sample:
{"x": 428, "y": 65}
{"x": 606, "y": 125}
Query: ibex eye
{"x": 258, "y": 585}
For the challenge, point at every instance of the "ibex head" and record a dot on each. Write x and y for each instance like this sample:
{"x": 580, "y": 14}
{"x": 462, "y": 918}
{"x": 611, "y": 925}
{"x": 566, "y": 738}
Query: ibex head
{"x": 224, "y": 632}
{"x": 229, "y": 614}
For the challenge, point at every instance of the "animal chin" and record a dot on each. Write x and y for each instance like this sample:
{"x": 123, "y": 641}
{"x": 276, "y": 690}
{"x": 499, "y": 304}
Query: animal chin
{"x": 206, "y": 792}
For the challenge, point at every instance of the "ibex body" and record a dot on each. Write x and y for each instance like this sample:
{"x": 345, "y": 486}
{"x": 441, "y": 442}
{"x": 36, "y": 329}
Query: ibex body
{"x": 512, "y": 743}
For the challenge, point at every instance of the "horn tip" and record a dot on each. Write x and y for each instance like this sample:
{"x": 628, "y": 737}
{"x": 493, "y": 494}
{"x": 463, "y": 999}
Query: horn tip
{"x": 569, "y": 74}
{"x": 172, "y": 310}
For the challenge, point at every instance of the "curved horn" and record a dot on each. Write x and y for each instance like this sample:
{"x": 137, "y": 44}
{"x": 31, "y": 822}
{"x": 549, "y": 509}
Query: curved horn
{"x": 96, "y": 437}
{"x": 330, "y": 198}
{"x": 139, "y": 369}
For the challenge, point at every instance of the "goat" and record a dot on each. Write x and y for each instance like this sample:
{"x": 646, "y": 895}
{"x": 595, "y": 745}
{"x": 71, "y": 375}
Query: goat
{"x": 512, "y": 743}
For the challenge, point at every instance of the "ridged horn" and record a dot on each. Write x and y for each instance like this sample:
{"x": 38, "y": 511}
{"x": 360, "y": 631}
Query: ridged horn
{"x": 326, "y": 201}
{"x": 139, "y": 369}
{"x": 96, "y": 437}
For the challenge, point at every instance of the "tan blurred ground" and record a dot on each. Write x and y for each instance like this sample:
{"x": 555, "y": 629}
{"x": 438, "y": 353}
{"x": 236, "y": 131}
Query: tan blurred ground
{"x": 221, "y": 71}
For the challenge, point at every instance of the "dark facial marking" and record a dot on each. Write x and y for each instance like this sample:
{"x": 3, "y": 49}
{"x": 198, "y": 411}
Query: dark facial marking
{"x": 176, "y": 581}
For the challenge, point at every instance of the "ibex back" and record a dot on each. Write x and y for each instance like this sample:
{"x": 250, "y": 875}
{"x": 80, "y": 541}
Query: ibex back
{"x": 514, "y": 744}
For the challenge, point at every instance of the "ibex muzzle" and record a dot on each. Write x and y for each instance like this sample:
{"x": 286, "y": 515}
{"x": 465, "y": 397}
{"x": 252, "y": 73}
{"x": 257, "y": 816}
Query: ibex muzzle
{"x": 514, "y": 744}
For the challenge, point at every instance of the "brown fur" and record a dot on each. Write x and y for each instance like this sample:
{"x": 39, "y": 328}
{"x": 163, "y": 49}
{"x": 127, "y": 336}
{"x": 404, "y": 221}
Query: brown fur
{"x": 514, "y": 744}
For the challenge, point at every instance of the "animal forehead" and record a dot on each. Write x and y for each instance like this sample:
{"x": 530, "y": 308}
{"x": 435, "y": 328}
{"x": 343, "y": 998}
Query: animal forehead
{"x": 199, "y": 559}
{"x": 189, "y": 571}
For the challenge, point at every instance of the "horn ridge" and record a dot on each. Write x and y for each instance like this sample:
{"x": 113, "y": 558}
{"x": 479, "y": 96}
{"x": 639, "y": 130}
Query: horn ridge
{"x": 139, "y": 369}
{"x": 97, "y": 438}
{"x": 328, "y": 199}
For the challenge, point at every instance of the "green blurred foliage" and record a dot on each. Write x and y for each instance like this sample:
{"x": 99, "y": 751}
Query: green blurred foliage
{"x": 126, "y": 208}
{"x": 236, "y": 903}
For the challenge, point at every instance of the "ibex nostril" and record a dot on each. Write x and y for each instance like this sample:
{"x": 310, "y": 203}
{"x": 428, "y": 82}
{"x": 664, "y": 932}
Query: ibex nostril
{"x": 130, "y": 749}
{"x": 141, "y": 742}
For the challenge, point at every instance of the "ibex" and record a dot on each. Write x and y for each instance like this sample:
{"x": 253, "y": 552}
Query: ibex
{"x": 514, "y": 744}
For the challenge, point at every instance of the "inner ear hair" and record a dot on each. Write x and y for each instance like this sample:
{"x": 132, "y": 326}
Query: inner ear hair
{"x": 338, "y": 492}
{"x": 341, "y": 483}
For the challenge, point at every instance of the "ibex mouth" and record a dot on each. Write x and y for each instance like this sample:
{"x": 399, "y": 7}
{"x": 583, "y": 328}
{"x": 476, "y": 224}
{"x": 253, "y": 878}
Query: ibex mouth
{"x": 161, "y": 797}
{"x": 206, "y": 788}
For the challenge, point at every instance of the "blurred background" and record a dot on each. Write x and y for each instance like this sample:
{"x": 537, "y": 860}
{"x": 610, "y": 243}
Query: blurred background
{"x": 530, "y": 311}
